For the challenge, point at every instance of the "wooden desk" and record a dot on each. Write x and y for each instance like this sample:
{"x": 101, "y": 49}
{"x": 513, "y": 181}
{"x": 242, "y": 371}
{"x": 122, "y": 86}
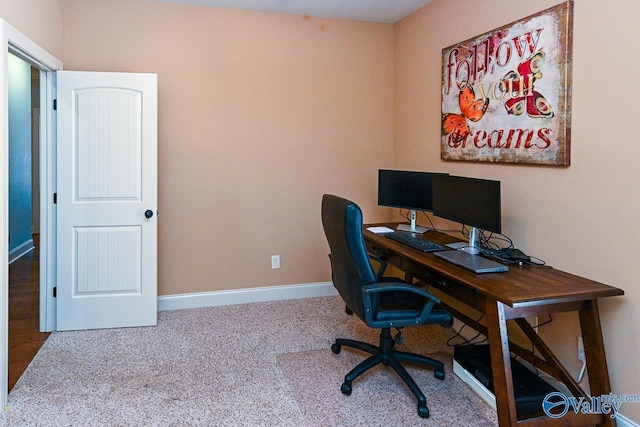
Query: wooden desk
{"x": 524, "y": 291}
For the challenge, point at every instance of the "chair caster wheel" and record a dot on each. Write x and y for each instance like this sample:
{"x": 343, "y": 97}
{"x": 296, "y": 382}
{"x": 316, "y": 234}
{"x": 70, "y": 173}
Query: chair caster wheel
{"x": 423, "y": 412}
{"x": 439, "y": 375}
{"x": 346, "y": 390}
{"x": 335, "y": 348}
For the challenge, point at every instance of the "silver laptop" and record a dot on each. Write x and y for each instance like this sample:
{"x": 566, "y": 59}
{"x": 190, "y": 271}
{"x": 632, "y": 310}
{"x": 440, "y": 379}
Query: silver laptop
{"x": 475, "y": 263}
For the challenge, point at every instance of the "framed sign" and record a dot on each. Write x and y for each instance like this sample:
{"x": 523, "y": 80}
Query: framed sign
{"x": 506, "y": 94}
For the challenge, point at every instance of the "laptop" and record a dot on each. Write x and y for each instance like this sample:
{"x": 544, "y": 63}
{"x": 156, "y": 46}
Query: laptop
{"x": 475, "y": 263}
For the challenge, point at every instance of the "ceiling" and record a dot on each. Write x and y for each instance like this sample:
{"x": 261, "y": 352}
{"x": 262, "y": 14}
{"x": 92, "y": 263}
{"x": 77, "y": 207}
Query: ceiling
{"x": 388, "y": 11}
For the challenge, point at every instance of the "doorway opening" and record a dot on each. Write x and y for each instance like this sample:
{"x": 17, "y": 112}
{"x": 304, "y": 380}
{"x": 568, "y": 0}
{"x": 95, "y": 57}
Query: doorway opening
{"x": 25, "y": 338}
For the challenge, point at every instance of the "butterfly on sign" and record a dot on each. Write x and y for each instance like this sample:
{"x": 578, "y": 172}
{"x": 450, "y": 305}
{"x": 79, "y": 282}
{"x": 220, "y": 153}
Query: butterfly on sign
{"x": 455, "y": 125}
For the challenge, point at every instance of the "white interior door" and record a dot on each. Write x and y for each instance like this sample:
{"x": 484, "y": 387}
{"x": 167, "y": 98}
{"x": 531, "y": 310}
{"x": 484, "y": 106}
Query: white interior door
{"x": 106, "y": 200}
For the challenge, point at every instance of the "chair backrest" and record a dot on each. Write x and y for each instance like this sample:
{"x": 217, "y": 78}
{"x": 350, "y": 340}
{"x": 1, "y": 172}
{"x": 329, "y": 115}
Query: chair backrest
{"x": 350, "y": 265}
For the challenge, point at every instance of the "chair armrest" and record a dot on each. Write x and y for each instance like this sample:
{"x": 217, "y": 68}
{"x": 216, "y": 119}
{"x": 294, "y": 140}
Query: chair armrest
{"x": 369, "y": 291}
{"x": 383, "y": 265}
{"x": 397, "y": 287}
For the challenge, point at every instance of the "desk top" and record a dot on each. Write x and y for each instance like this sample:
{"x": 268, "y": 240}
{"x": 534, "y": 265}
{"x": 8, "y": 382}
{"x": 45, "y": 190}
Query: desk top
{"x": 521, "y": 286}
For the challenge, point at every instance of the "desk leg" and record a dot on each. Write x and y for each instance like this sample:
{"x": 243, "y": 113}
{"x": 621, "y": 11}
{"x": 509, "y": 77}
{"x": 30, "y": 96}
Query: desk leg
{"x": 595, "y": 354}
{"x": 501, "y": 363}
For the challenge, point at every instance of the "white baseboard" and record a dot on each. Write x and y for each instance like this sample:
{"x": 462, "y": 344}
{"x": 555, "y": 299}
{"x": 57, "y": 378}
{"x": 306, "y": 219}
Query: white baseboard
{"x": 241, "y": 296}
{"x": 21, "y": 250}
{"x": 622, "y": 421}
{"x": 475, "y": 385}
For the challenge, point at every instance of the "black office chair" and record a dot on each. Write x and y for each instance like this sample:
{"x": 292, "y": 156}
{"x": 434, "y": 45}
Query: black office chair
{"x": 383, "y": 303}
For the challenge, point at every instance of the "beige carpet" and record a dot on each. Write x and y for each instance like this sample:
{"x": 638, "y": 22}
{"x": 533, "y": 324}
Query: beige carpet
{"x": 379, "y": 397}
{"x": 262, "y": 364}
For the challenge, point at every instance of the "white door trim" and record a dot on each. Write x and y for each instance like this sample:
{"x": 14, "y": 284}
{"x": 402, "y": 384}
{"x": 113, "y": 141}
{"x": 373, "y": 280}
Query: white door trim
{"x": 14, "y": 41}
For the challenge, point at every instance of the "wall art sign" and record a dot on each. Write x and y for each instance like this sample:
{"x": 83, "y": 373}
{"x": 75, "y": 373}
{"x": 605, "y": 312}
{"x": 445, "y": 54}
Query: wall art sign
{"x": 506, "y": 94}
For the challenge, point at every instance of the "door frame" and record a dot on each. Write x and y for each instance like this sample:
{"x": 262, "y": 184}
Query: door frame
{"x": 12, "y": 40}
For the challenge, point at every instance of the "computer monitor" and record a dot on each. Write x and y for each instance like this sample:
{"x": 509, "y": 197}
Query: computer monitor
{"x": 471, "y": 201}
{"x": 406, "y": 190}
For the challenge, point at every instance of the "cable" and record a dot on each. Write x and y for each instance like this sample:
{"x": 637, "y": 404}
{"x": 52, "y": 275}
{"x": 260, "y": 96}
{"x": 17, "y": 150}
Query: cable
{"x": 490, "y": 248}
{"x": 405, "y": 215}
{"x": 545, "y": 322}
{"x": 584, "y": 367}
{"x": 430, "y": 221}
{"x": 492, "y": 245}
{"x": 489, "y": 242}
{"x": 470, "y": 341}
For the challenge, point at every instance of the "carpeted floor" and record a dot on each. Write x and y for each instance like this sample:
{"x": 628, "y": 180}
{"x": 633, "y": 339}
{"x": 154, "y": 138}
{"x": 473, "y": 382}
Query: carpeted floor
{"x": 261, "y": 364}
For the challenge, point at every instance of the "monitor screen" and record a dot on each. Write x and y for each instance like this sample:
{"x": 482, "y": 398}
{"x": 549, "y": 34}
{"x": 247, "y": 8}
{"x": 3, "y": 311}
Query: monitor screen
{"x": 470, "y": 201}
{"x": 405, "y": 189}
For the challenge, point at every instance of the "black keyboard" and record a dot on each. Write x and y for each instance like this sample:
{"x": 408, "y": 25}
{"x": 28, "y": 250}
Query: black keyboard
{"x": 411, "y": 239}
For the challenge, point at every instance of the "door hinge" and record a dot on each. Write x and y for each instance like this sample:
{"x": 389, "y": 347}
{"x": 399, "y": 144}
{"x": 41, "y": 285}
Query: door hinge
{"x": 55, "y": 105}
{"x": 55, "y": 198}
{"x": 55, "y": 291}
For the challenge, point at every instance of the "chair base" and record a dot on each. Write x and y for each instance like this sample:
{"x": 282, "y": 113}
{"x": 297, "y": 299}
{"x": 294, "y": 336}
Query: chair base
{"x": 386, "y": 355}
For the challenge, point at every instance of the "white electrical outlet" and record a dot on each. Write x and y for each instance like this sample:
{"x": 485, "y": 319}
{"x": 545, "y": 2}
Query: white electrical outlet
{"x": 275, "y": 262}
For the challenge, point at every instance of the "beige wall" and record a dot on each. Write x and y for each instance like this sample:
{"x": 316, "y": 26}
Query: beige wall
{"x": 259, "y": 115}
{"x": 584, "y": 218}
{"x": 40, "y": 20}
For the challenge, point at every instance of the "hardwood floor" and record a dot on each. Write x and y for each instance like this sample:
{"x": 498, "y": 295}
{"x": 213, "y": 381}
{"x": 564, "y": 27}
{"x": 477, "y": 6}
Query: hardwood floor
{"x": 24, "y": 301}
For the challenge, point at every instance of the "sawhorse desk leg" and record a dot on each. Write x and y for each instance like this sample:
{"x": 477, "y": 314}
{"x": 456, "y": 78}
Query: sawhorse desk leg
{"x": 595, "y": 354}
{"x": 501, "y": 363}
{"x": 498, "y": 337}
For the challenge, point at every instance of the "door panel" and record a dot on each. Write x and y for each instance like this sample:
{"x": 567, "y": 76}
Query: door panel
{"x": 108, "y": 260}
{"x": 109, "y": 144}
{"x": 107, "y": 180}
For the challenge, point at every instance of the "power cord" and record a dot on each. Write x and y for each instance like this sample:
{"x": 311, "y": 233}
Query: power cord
{"x": 583, "y": 358}
{"x": 470, "y": 341}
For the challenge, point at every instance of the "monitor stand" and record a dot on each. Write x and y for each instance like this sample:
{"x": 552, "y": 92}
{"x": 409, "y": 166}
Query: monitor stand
{"x": 474, "y": 241}
{"x": 412, "y": 228}
{"x": 472, "y": 246}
